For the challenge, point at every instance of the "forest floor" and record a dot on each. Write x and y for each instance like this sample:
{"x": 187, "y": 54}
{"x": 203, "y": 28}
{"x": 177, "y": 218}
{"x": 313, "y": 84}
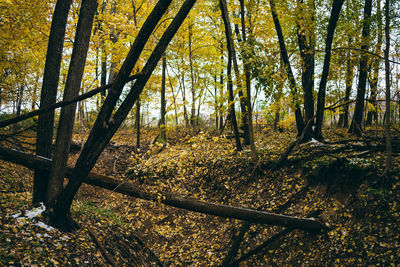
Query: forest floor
{"x": 340, "y": 181}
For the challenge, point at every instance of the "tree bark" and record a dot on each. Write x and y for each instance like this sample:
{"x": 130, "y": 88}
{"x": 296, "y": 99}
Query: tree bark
{"x": 48, "y": 95}
{"x": 355, "y": 126}
{"x": 285, "y": 58}
{"x": 335, "y": 12}
{"x": 67, "y": 116}
{"x": 170, "y": 199}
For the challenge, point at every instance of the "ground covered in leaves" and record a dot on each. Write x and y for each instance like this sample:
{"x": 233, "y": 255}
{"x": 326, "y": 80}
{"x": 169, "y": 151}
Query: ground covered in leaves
{"x": 339, "y": 181}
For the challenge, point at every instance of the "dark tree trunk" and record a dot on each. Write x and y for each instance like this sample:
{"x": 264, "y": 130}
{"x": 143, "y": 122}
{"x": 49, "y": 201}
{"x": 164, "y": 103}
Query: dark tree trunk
{"x": 103, "y": 76}
{"x": 231, "y": 105}
{"x": 335, "y": 12}
{"x": 162, "y": 119}
{"x": 106, "y": 125}
{"x": 221, "y": 90}
{"x": 355, "y": 126}
{"x": 216, "y": 101}
{"x": 285, "y": 58}
{"x": 232, "y": 53}
{"x": 388, "y": 136}
{"x": 114, "y": 38}
{"x": 349, "y": 85}
{"x": 248, "y": 87}
{"x": 20, "y": 94}
{"x": 231, "y": 56}
{"x": 372, "y": 114}
{"x": 307, "y": 54}
{"x": 192, "y": 82}
{"x": 137, "y": 122}
{"x": 67, "y": 116}
{"x": 185, "y": 113}
{"x": 44, "y": 138}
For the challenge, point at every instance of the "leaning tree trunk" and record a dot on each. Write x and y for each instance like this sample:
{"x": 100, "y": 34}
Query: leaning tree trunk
{"x": 355, "y": 126}
{"x": 285, "y": 58}
{"x": 335, "y": 12}
{"x": 108, "y": 123}
{"x": 67, "y": 116}
{"x": 44, "y": 137}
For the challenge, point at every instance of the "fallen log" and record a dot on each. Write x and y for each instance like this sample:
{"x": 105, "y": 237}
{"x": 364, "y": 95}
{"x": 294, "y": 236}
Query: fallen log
{"x": 130, "y": 189}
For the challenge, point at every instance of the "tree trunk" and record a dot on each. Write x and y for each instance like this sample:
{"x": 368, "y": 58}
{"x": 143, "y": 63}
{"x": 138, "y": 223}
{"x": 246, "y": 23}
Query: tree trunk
{"x": 307, "y": 55}
{"x": 67, "y": 116}
{"x": 349, "y": 85}
{"x": 231, "y": 105}
{"x": 44, "y": 137}
{"x": 389, "y": 160}
{"x": 162, "y": 119}
{"x": 192, "y": 82}
{"x": 285, "y": 58}
{"x": 231, "y": 51}
{"x": 170, "y": 199}
{"x": 137, "y": 122}
{"x": 20, "y": 94}
{"x": 248, "y": 88}
{"x": 173, "y": 98}
{"x": 221, "y": 90}
{"x": 106, "y": 125}
{"x": 216, "y": 101}
{"x": 355, "y": 126}
{"x": 335, "y": 12}
{"x": 114, "y": 38}
{"x": 229, "y": 44}
{"x": 372, "y": 114}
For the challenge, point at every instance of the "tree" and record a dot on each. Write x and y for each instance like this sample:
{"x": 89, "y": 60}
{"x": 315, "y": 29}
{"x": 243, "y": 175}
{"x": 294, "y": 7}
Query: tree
{"x": 306, "y": 42}
{"x": 231, "y": 57}
{"x": 355, "y": 126}
{"x": 285, "y": 59}
{"x": 336, "y": 7}
{"x": 162, "y": 117}
{"x": 67, "y": 116}
{"x": 248, "y": 86}
{"x": 389, "y": 160}
{"x": 373, "y": 114}
{"x": 44, "y": 139}
{"x": 108, "y": 122}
